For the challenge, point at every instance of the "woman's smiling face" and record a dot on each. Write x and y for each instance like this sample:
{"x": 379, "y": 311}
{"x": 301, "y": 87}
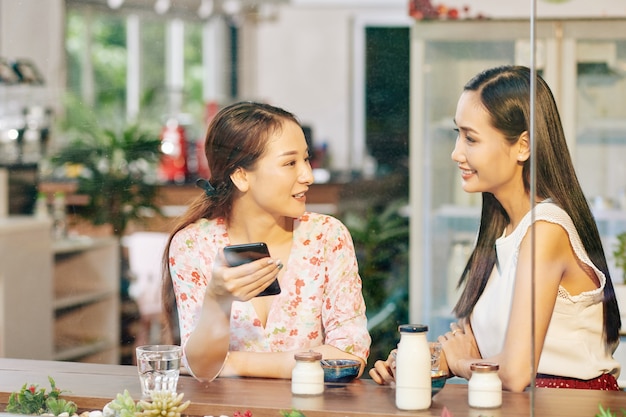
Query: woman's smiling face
{"x": 488, "y": 163}
{"x": 281, "y": 177}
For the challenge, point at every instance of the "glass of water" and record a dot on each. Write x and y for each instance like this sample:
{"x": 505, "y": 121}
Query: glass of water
{"x": 158, "y": 367}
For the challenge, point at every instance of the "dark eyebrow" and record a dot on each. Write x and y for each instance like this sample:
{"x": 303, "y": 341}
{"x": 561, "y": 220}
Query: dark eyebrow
{"x": 466, "y": 129}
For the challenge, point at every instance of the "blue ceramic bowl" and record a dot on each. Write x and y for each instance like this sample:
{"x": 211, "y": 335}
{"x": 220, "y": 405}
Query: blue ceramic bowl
{"x": 437, "y": 381}
{"x": 340, "y": 370}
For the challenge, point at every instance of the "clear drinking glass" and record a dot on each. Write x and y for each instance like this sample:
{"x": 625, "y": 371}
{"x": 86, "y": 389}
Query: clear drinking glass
{"x": 435, "y": 356}
{"x": 158, "y": 367}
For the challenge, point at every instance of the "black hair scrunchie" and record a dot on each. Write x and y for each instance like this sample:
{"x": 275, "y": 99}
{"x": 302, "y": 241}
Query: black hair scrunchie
{"x": 209, "y": 190}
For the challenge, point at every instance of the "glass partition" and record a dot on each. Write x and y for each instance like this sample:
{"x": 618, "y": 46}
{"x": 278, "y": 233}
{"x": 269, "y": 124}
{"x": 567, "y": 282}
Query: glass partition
{"x": 444, "y": 56}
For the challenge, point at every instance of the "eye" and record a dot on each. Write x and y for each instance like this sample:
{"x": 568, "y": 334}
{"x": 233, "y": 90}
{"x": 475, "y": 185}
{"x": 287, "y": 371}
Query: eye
{"x": 460, "y": 134}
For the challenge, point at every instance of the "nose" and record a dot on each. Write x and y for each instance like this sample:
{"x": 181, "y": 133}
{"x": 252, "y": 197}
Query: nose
{"x": 456, "y": 154}
{"x": 306, "y": 174}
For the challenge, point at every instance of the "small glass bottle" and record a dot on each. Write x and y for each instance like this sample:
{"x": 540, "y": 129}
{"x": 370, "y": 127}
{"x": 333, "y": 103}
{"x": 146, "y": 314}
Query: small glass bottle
{"x": 484, "y": 387}
{"x": 59, "y": 220}
{"x": 413, "y": 365}
{"x": 41, "y": 212}
{"x": 307, "y": 377}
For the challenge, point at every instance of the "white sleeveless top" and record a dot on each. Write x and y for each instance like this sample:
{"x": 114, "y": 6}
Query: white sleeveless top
{"x": 574, "y": 345}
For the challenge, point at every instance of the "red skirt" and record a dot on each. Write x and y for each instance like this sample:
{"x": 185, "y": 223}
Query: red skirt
{"x": 605, "y": 382}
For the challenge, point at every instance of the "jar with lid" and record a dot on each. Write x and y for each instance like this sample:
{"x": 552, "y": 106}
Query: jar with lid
{"x": 413, "y": 364}
{"x": 307, "y": 377}
{"x": 484, "y": 388}
{"x": 59, "y": 221}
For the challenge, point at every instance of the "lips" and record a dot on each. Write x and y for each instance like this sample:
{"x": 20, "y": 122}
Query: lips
{"x": 466, "y": 173}
{"x": 299, "y": 195}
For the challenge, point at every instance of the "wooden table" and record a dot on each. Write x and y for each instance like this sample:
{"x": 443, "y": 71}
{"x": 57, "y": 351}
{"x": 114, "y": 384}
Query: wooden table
{"x": 91, "y": 386}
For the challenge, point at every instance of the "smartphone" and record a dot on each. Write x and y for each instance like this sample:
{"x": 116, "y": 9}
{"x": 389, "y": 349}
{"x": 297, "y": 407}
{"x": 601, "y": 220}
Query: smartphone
{"x": 241, "y": 254}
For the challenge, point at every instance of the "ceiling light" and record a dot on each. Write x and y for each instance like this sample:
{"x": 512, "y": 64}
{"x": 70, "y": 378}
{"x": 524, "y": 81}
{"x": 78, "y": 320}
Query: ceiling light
{"x": 231, "y": 7}
{"x": 162, "y": 6}
{"x": 206, "y": 9}
{"x": 115, "y": 4}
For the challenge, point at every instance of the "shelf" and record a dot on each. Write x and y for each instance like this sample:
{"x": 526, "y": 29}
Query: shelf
{"x": 88, "y": 325}
{"x": 80, "y": 348}
{"x": 461, "y": 212}
{"x": 603, "y": 132}
{"x": 78, "y": 244}
{"x": 464, "y": 212}
{"x": 64, "y": 302}
{"x": 74, "y": 313}
{"x": 11, "y": 225}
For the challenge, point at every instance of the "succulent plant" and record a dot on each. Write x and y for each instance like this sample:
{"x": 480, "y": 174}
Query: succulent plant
{"x": 122, "y": 406}
{"x": 162, "y": 404}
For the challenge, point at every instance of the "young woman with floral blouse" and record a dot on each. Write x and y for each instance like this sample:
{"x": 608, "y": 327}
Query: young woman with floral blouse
{"x": 260, "y": 172}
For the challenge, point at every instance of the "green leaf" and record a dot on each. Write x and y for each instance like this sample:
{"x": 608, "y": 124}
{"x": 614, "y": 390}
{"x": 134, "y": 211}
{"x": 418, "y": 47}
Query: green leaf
{"x": 292, "y": 413}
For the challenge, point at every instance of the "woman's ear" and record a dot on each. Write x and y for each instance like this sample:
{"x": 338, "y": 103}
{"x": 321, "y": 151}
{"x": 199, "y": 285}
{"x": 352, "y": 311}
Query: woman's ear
{"x": 240, "y": 179}
{"x": 523, "y": 143}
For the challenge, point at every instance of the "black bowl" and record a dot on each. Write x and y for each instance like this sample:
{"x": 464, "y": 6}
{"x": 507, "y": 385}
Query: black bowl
{"x": 437, "y": 381}
{"x": 340, "y": 370}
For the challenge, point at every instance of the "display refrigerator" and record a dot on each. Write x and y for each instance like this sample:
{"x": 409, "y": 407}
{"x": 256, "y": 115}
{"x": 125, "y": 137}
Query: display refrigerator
{"x": 583, "y": 61}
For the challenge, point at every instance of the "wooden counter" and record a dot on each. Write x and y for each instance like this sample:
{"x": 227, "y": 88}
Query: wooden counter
{"x": 91, "y": 386}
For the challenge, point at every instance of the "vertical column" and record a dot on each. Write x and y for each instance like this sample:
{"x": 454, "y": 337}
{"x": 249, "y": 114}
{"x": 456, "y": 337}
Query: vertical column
{"x": 86, "y": 76}
{"x": 133, "y": 66}
{"x": 419, "y": 195}
{"x": 175, "y": 64}
{"x": 4, "y": 192}
{"x": 215, "y": 44}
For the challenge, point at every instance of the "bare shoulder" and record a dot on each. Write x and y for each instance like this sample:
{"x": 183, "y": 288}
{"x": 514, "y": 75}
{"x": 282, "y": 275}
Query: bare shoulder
{"x": 551, "y": 240}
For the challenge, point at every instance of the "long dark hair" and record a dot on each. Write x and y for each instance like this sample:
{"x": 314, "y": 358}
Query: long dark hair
{"x": 236, "y": 138}
{"x": 505, "y": 95}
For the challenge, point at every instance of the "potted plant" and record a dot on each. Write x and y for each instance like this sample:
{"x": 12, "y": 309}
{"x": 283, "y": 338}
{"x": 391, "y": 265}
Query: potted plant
{"x": 381, "y": 241}
{"x": 619, "y": 255}
{"x": 114, "y": 167}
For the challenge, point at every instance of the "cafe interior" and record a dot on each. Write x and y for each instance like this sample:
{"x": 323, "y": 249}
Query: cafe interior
{"x": 375, "y": 85}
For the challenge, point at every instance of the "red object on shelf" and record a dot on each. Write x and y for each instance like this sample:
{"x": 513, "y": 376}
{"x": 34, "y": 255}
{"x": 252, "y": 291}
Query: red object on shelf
{"x": 173, "y": 166}
{"x": 422, "y": 9}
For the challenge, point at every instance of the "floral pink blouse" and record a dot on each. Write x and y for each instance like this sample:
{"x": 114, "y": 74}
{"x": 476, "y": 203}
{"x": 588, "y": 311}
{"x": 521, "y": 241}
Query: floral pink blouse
{"x": 320, "y": 302}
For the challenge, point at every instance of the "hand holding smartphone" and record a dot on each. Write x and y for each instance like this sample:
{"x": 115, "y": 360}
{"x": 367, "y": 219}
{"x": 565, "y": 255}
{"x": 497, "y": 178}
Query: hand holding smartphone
{"x": 241, "y": 254}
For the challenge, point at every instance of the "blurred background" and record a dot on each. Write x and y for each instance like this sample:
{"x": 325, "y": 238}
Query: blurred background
{"x": 104, "y": 105}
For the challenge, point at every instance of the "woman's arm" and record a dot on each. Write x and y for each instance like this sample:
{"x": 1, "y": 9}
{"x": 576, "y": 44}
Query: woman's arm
{"x": 343, "y": 309}
{"x": 274, "y": 364}
{"x": 552, "y": 253}
{"x": 204, "y": 300}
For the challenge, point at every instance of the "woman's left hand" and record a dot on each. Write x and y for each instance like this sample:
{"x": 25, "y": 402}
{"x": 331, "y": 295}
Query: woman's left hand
{"x": 459, "y": 347}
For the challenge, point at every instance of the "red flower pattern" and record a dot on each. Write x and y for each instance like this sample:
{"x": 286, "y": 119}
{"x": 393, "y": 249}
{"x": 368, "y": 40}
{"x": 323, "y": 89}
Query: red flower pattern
{"x": 315, "y": 261}
{"x": 320, "y": 288}
{"x": 299, "y": 284}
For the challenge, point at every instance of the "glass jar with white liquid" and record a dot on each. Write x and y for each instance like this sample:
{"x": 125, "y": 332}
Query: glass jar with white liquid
{"x": 484, "y": 388}
{"x": 307, "y": 377}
